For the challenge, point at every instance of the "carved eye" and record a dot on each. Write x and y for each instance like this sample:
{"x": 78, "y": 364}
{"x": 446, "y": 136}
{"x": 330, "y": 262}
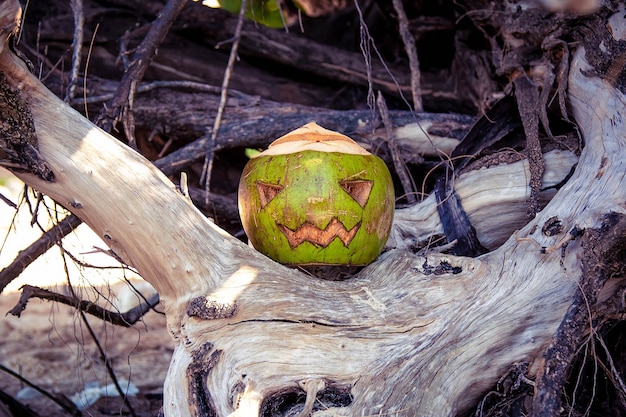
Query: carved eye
{"x": 267, "y": 192}
{"x": 359, "y": 190}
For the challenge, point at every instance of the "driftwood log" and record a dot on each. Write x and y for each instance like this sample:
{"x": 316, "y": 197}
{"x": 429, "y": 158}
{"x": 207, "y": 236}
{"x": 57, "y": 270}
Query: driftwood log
{"x": 408, "y": 335}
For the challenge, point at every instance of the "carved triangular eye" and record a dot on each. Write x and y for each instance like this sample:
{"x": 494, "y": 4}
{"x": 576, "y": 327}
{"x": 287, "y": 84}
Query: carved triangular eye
{"x": 358, "y": 189}
{"x": 267, "y": 192}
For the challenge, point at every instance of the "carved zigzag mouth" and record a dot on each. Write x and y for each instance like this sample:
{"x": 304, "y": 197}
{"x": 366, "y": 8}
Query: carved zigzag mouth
{"x": 317, "y": 236}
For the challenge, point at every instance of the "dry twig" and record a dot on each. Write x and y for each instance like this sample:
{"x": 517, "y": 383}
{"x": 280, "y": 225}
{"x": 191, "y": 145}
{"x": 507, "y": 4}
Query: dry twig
{"x": 38, "y": 248}
{"x": 125, "y": 319}
{"x": 59, "y": 399}
{"x": 399, "y": 164}
{"x": 208, "y": 159}
{"x": 77, "y": 43}
{"x": 103, "y": 356}
{"x": 141, "y": 60}
{"x": 411, "y": 50}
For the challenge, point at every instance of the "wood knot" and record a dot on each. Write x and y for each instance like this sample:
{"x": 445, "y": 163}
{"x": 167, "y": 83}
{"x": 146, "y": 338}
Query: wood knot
{"x": 206, "y": 309}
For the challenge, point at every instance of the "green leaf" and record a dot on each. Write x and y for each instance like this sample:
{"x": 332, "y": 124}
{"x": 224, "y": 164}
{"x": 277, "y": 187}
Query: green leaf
{"x": 266, "y": 12}
{"x": 251, "y": 153}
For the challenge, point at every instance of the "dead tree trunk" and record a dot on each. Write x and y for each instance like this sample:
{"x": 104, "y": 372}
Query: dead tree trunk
{"x": 409, "y": 335}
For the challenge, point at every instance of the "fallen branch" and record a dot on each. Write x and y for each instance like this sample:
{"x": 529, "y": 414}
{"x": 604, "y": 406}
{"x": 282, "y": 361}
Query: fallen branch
{"x": 143, "y": 56}
{"x": 59, "y": 399}
{"x": 124, "y": 319}
{"x": 411, "y": 50}
{"x": 37, "y": 248}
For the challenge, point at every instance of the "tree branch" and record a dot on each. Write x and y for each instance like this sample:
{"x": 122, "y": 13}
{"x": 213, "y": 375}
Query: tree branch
{"x": 124, "y": 319}
{"x": 38, "y": 248}
{"x": 141, "y": 60}
{"x": 411, "y": 50}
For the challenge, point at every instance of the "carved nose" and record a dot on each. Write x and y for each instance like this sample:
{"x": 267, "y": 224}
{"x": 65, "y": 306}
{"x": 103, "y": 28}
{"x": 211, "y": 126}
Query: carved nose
{"x": 315, "y": 200}
{"x": 318, "y": 211}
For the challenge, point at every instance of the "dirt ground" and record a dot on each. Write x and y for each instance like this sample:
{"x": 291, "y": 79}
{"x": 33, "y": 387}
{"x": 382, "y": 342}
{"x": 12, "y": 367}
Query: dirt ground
{"x": 51, "y": 347}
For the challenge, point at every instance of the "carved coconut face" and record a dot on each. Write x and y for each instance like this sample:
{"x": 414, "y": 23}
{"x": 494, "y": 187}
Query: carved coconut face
{"x": 315, "y": 197}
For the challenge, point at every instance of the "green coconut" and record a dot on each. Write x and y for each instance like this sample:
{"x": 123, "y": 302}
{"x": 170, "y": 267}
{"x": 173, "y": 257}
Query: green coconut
{"x": 315, "y": 197}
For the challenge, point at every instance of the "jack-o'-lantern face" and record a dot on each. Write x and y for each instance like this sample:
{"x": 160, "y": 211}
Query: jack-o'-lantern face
{"x": 315, "y": 197}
